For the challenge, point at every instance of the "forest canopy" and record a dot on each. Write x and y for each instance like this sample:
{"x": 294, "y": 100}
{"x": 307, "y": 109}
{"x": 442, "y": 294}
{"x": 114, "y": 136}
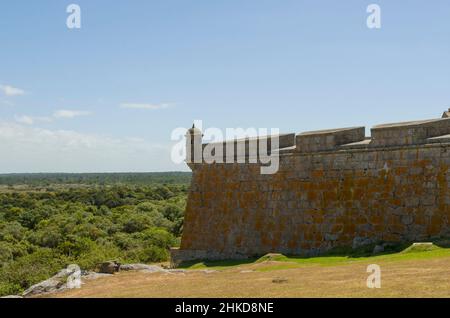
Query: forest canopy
{"x": 50, "y": 221}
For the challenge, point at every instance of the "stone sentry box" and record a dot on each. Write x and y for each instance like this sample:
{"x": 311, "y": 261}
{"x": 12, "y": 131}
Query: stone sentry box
{"x": 334, "y": 188}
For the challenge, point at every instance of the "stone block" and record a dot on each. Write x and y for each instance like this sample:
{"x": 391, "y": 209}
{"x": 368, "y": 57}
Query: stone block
{"x": 326, "y": 140}
{"x": 409, "y": 133}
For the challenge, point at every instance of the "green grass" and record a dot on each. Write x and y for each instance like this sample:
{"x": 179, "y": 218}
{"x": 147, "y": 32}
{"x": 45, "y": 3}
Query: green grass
{"x": 407, "y": 254}
{"x": 289, "y": 262}
{"x": 216, "y": 265}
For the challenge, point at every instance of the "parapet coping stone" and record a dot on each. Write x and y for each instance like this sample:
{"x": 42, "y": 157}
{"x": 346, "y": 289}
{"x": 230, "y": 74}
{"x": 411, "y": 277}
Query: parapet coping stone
{"x": 248, "y": 139}
{"x": 360, "y": 149}
{"x": 409, "y": 124}
{"x": 359, "y": 144}
{"x": 439, "y": 139}
{"x": 329, "y": 131}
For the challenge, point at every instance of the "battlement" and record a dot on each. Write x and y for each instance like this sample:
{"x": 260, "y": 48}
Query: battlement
{"x": 326, "y": 140}
{"x": 403, "y": 134}
{"x": 382, "y": 136}
{"x": 409, "y": 133}
{"x": 248, "y": 148}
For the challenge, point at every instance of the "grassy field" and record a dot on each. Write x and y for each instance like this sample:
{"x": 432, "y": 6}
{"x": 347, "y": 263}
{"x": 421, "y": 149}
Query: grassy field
{"x": 423, "y": 272}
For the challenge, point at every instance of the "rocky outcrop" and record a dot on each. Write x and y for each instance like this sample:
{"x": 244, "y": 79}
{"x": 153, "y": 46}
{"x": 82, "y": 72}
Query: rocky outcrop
{"x": 72, "y": 277}
{"x": 142, "y": 268}
{"x": 150, "y": 269}
{"x": 67, "y": 278}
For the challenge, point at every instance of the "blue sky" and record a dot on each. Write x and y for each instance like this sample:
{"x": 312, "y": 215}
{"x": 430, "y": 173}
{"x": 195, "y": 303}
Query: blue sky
{"x": 293, "y": 65}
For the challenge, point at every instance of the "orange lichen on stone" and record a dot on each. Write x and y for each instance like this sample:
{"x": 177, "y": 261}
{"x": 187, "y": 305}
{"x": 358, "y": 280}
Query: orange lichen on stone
{"x": 317, "y": 174}
{"x": 319, "y": 201}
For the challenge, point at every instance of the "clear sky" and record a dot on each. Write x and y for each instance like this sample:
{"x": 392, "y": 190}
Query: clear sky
{"x": 106, "y": 97}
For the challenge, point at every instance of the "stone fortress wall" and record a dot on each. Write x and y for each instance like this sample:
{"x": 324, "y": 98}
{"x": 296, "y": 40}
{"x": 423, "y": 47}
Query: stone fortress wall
{"x": 333, "y": 188}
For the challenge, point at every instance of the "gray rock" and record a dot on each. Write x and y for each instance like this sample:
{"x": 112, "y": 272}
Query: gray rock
{"x": 271, "y": 257}
{"x": 12, "y": 296}
{"x": 109, "y": 267}
{"x": 426, "y": 244}
{"x": 67, "y": 278}
{"x": 142, "y": 268}
{"x": 150, "y": 269}
{"x": 177, "y": 271}
{"x": 94, "y": 275}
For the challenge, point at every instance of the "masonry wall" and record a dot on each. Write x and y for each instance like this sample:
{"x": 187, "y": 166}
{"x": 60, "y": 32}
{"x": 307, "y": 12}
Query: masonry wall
{"x": 317, "y": 201}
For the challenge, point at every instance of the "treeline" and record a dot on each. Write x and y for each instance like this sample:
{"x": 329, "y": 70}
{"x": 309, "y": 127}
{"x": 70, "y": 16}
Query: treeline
{"x": 43, "y": 179}
{"x": 43, "y": 231}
